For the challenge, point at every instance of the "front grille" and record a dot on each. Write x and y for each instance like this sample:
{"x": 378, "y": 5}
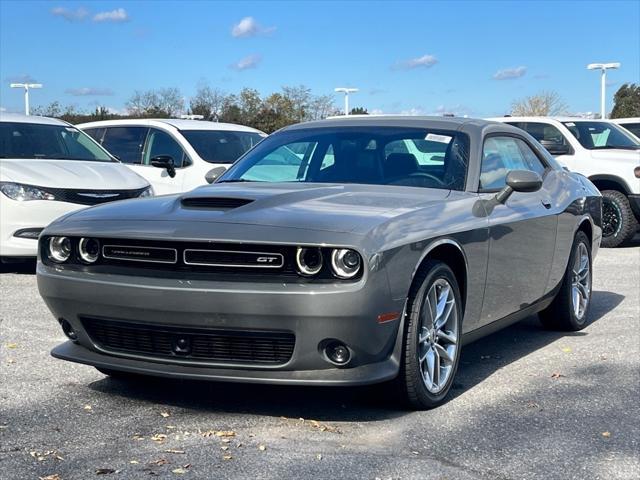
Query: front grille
{"x": 92, "y": 197}
{"x": 257, "y": 347}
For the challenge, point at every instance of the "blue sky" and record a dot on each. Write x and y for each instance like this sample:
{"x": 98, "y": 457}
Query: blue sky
{"x": 470, "y": 58}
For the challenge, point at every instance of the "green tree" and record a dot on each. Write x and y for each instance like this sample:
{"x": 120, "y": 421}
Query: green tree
{"x": 359, "y": 111}
{"x": 626, "y": 101}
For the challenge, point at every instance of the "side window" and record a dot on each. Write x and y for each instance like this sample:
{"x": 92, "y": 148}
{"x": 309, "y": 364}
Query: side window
{"x": 543, "y": 132}
{"x": 500, "y": 155}
{"x": 96, "y": 133}
{"x": 125, "y": 143}
{"x": 161, "y": 143}
{"x": 532, "y": 160}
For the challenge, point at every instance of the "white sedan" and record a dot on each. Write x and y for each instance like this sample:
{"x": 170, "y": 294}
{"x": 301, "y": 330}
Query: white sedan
{"x": 49, "y": 168}
{"x": 174, "y": 155}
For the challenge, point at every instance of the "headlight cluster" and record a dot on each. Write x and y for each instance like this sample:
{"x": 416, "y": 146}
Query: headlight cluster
{"x": 147, "y": 192}
{"x": 60, "y": 249}
{"x": 343, "y": 262}
{"x": 23, "y": 193}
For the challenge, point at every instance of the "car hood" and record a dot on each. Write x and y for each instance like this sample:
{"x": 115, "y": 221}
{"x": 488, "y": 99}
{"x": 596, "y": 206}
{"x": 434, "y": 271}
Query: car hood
{"x": 71, "y": 174}
{"x": 631, "y": 157}
{"x": 325, "y": 207}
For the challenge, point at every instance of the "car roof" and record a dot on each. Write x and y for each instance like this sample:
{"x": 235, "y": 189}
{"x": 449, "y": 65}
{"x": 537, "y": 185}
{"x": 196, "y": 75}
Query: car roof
{"x": 19, "y": 118}
{"x": 438, "y": 123}
{"x": 622, "y": 121}
{"x": 174, "y": 122}
{"x": 547, "y": 119}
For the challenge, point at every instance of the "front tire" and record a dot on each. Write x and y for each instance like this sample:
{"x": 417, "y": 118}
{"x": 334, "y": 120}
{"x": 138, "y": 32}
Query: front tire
{"x": 619, "y": 224}
{"x": 570, "y": 308}
{"x": 432, "y": 337}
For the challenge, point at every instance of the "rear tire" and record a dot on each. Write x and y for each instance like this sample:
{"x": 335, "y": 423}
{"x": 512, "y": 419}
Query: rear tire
{"x": 432, "y": 337}
{"x": 619, "y": 224}
{"x": 570, "y": 309}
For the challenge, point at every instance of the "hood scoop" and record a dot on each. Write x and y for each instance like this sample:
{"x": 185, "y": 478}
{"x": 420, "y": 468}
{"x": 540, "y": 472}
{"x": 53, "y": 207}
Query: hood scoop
{"x": 215, "y": 203}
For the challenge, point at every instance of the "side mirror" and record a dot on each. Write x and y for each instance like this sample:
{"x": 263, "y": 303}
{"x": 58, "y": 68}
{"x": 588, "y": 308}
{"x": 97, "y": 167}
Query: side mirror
{"x": 166, "y": 162}
{"x": 519, "y": 181}
{"x": 213, "y": 174}
{"x": 555, "y": 148}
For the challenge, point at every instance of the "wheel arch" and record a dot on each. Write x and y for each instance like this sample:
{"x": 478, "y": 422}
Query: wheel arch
{"x": 452, "y": 254}
{"x": 610, "y": 182}
{"x": 586, "y": 227}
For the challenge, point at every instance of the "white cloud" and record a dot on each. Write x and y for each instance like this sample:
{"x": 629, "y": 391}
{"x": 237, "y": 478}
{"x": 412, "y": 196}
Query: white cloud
{"x": 2, "y": 109}
{"x": 425, "y": 61}
{"x": 415, "y": 111}
{"x": 70, "y": 15}
{"x": 248, "y": 27}
{"x": 117, "y": 15}
{"x": 246, "y": 63}
{"x": 24, "y": 78}
{"x": 509, "y": 73}
{"x": 89, "y": 91}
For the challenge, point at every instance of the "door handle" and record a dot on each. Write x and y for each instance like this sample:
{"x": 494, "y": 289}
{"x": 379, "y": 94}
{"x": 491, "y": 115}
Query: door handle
{"x": 546, "y": 204}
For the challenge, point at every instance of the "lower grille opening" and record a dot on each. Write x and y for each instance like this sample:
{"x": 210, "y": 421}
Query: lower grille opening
{"x": 257, "y": 347}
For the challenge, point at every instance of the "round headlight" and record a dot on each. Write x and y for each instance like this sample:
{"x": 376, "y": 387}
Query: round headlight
{"x": 308, "y": 261}
{"x": 59, "y": 249}
{"x": 345, "y": 263}
{"x": 89, "y": 249}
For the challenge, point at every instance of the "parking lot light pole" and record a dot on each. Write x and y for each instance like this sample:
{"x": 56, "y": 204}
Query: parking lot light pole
{"x": 26, "y": 87}
{"x": 346, "y": 91}
{"x": 603, "y": 67}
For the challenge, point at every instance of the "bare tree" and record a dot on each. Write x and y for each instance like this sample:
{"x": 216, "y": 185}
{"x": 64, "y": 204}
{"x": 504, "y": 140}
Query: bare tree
{"x": 542, "y": 104}
{"x": 166, "y": 102}
{"x": 208, "y": 102}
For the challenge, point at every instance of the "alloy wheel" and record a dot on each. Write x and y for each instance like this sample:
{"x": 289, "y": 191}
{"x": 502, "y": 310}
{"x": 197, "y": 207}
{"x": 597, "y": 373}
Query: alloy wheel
{"x": 580, "y": 282}
{"x": 438, "y": 338}
{"x": 611, "y": 218}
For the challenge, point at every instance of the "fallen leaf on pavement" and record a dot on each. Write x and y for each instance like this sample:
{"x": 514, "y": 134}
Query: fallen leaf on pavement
{"x": 133, "y": 462}
{"x": 227, "y": 457}
{"x": 159, "y": 437}
{"x": 88, "y": 408}
{"x": 174, "y": 451}
{"x": 12, "y": 345}
{"x": 179, "y": 470}
{"x": 164, "y": 414}
{"x": 556, "y": 375}
{"x": 104, "y": 471}
{"x": 567, "y": 349}
{"x": 606, "y": 434}
{"x": 262, "y": 448}
{"x": 225, "y": 448}
{"x": 160, "y": 461}
{"x": 319, "y": 456}
{"x": 55, "y": 476}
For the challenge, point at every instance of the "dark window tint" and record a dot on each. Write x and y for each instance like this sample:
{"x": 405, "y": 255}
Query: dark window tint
{"x": 95, "y": 133}
{"x": 369, "y": 155}
{"x": 56, "y": 142}
{"x": 161, "y": 143}
{"x": 219, "y": 146}
{"x": 601, "y": 135}
{"x": 633, "y": 128}
{"x": 500, "y": 155}
{"x": 125, "y": 143}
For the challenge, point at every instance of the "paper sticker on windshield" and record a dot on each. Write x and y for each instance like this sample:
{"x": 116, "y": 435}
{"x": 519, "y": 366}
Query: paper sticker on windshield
{"x": 570, "y": 124}
{"x": 433, "y": 137}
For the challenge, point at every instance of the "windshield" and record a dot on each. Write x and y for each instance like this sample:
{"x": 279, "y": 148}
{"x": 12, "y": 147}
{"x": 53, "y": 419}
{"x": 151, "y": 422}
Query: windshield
{"x": 414, "y": 157}
{"x": 51, "y": 142}
{"x": 601, "y": 135}
{"x": 220, "y": 146}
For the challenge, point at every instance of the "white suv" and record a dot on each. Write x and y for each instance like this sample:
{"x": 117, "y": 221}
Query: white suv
{"x": 174, "y": 155}
{"x": 605, "y": 153}
{"x": 631, "y": 124}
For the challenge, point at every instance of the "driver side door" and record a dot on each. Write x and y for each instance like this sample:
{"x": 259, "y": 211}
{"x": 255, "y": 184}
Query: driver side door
{"x": 522, "y": 232}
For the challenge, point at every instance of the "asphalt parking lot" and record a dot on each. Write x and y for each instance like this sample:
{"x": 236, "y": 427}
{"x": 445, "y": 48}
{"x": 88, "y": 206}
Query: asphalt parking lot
{"x": 527, "y": 403}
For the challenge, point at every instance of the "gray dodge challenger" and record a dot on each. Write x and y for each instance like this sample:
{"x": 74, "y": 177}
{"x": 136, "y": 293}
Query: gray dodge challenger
{"x": 340, "y": 252}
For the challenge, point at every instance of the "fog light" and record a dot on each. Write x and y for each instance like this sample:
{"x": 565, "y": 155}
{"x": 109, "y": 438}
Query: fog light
{"x": 59, "y": 249}
{"x": 68, "y": 330}
{"x": 89, "y": 249}
{"x": 308, "y": 261}
{"x": 338, "y": 353}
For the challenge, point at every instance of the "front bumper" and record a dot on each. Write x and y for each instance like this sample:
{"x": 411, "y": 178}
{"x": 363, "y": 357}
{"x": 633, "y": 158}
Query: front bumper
{"x": 314, "y": 313}
{"x": 16, "y": 216}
